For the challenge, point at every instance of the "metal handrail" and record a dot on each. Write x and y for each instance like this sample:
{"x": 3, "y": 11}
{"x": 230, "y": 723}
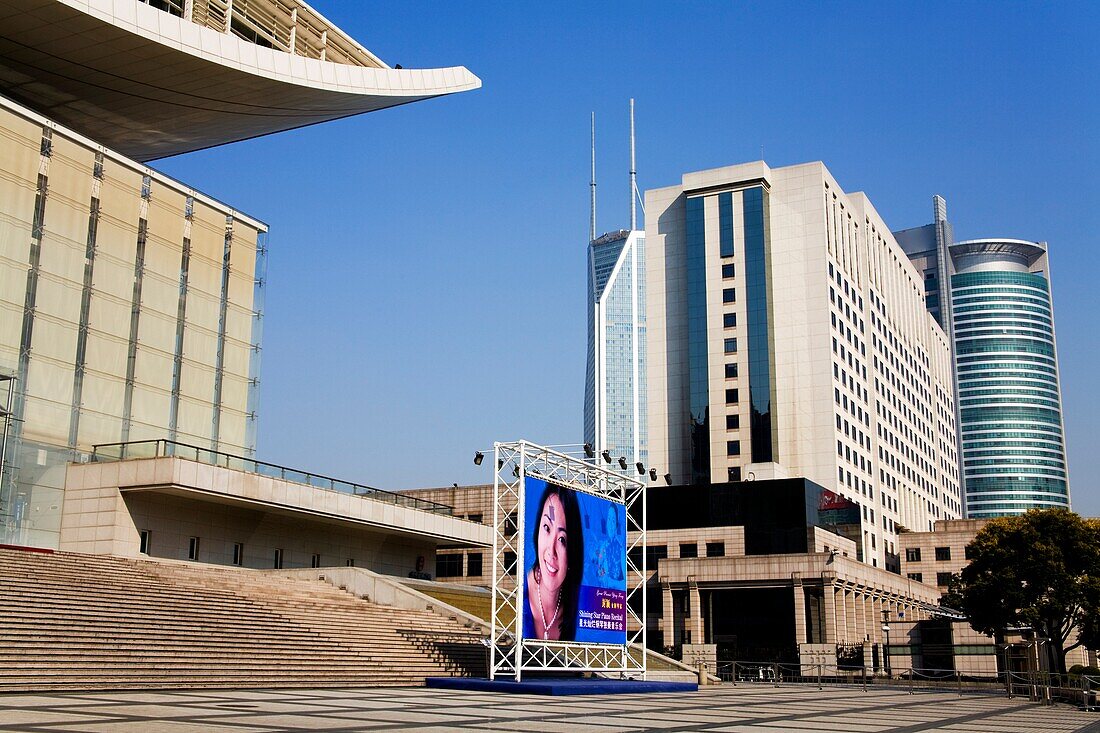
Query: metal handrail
{"x": 1038, "y": 686}
{"x": 163, "y": 448}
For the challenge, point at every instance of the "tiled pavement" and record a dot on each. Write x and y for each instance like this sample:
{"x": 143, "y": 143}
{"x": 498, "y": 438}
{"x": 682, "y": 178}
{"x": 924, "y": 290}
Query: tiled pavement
{"x": 724, "y": 708}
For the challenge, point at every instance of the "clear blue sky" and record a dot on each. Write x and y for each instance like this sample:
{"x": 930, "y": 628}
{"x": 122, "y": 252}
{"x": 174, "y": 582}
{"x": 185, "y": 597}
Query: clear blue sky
{"x": 426, "y": 278}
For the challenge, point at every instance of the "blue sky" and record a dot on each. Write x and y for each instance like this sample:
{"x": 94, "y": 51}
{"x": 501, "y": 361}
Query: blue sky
{"x": 427, "y": 263}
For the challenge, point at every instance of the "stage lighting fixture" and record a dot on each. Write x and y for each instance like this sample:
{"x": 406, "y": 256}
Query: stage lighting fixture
{"x": 515, "y": 470}
{"x": 588, "y": 452}
{"x": 641, "y": 468}
{"x": 500, "y": 463}
{"x": 606, "y": 455}
{"x": 622, "y": 462}
{"x": 478, "y": 458}
{"x": 668, "y": 479}
{"x": 653, "y": 474}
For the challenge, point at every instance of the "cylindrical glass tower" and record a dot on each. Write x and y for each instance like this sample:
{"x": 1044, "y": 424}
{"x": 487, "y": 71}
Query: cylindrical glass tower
{"x": 1010, "y": 406}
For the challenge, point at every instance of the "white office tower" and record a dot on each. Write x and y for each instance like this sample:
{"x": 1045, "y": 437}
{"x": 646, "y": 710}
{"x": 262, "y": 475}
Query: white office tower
{"x": 788, "y": 336}
{"x": 615, "y": 380}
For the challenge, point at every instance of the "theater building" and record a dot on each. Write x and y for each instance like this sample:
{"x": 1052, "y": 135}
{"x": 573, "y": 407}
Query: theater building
{"x": 131, "y": 304}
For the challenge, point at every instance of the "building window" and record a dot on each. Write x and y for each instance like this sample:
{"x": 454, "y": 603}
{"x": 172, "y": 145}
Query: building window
{"x": 731, "y": 371}
{"x": 727, "y": 270}
{"x": 731, "y": 346}
{"x": 716, "y": 549}
{"x": 477, "y": 518}
{"x": 729, "y": 320}
{"x": 912, "y": 554}
{"x": 919, "y": 577}
{"x": 635, "y": 557}
{"x": 238, "y": 553}
{"x": 193, "y": 548}
{"x": 654, "y": 554}
{"x": 733, "y": 447}
{"x": 725, "y": 224}
{"x": 143, "y": 546}
{"x": 943, "y": 579}
{"x": 315, "y": 561}
{"x": 733, "y": 473}
{"x": 278, "y": 564}
{"x": 733, "y": 422}
{"x": 689, "y": 549}
{"x": 729, "y": 295}
{"x": 943, "y": 553}
{"x": 473, "y": 564}
{"x": 448, "y": 565}
{"x": 509, "y": 561}
{"x": 731, "y": 396}
{"x": 968, "y": 553}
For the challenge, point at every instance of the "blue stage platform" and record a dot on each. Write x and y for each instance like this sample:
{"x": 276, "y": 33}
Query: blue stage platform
{"x": 561, "y": 686}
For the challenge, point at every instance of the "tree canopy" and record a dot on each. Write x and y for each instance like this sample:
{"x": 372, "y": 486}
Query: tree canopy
{"x": 1039, "y": 570}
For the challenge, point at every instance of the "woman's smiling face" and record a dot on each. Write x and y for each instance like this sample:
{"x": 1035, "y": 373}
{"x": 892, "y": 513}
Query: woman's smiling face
{"x": 553, "y": 544}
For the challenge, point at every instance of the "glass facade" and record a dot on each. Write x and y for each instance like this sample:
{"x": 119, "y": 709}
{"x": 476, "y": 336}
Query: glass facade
{"x": 1009, "y": 399}
{"x": 615, "y": 394}
{"x": 120, "y": 310}
{"x": 761, "y": 368}
{"x": 698, "y": 377}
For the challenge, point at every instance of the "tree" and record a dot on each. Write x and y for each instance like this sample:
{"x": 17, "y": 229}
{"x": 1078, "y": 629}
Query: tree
{"x": 1039, "y": 570}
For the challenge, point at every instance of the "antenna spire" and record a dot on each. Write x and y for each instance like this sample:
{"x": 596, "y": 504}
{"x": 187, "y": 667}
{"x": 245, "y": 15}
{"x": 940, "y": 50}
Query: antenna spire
{"x": 633, "y": 174}
{"x": 592, "y": 225}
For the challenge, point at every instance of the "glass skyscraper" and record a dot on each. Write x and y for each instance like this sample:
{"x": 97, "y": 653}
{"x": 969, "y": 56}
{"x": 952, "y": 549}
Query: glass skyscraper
{"x": 615, "y": 381}
{"x": 1010, "y": 405}
{"x": 993, "y": 296}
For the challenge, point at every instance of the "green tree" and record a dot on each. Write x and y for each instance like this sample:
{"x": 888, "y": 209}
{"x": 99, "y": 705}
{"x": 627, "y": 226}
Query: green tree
{"x": 1039, "y": 570}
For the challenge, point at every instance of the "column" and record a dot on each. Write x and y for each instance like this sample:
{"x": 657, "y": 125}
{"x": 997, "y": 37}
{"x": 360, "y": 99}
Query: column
{"x": 668, "y": 619}
{"x": 840, "y": 602}
{"x": 828, "y": 596}
{"x": 851, "y": 611}
{"x": 695, "y": 609}
{"x": 798, "y": 597}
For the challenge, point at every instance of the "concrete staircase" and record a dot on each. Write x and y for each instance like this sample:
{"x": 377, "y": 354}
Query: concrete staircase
{"x": 71, "y": 621}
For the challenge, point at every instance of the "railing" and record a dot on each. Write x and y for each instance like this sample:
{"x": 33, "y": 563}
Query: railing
{"x": 108, "y": 452}
{"x": 1043, "y": 687}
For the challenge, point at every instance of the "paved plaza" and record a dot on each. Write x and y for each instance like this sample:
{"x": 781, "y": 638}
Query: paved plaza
{"x": 724, "y": 708}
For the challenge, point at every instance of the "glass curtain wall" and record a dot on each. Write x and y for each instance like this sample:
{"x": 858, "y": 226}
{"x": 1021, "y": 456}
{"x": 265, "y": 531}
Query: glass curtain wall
{"x": 127, "y": 312}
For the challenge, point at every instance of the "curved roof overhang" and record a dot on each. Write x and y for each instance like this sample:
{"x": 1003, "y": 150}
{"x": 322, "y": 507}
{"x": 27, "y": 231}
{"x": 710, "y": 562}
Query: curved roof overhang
{"x": 149, "y": 84}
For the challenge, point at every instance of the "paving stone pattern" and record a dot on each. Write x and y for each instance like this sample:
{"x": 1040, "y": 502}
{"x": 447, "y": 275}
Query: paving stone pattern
{"x": 722, "y": 708}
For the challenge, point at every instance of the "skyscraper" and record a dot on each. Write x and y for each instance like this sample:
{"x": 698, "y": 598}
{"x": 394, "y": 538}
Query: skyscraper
{"x": 130, "y": 303}
{"x": 615, "y": 381}
{"x": 993, "y": 296}
{"x": 615, "y": 378}
{"x": 788, "y": 336}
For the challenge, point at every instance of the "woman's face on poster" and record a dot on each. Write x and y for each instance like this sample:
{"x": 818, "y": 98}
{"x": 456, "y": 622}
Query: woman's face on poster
{"x": 553, "y": 544}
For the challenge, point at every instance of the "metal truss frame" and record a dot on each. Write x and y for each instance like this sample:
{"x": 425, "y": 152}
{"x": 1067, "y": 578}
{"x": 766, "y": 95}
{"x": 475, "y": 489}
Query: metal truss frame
{"x": 509, "y": 653}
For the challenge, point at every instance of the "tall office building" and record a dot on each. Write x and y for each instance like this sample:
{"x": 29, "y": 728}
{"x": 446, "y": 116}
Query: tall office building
{"x": 615, "y": 381}
{"x": 788, "y": 337}
{"x": 615, "y": 378}
{"x": 993, "y": 296}
{"x": 130, "y": 303}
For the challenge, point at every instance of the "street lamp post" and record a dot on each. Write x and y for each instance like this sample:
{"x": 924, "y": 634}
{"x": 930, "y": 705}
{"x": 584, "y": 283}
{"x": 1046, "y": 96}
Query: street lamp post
{"x": 886, "y": 632}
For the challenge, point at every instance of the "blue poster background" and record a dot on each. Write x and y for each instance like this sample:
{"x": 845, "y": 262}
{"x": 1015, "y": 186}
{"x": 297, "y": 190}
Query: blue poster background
{"x": 601, "y": 603}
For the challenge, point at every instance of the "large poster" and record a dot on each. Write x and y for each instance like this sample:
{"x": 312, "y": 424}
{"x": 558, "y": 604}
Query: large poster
{"x": 574, "y": 581}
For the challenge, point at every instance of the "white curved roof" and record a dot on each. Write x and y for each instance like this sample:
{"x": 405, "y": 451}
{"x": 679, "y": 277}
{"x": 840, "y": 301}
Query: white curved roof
{"x": 150, "y": 84}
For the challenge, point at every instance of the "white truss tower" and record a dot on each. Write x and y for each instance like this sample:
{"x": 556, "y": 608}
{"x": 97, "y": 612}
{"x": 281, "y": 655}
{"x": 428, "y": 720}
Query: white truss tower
{"x": 509, "y": 653}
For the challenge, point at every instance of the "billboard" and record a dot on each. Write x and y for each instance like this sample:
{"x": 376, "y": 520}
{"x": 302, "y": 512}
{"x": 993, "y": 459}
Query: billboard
{"x": 574, "y": 586}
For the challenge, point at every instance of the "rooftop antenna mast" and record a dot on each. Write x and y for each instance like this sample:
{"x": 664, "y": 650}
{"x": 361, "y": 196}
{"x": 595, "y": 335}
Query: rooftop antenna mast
{"x": 592, "y": 186}
{"x": 633, "y": 174}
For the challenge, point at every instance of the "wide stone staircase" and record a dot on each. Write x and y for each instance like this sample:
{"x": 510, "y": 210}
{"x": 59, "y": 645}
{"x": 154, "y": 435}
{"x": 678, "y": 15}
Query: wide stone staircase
{"x": 72, "y": 621}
